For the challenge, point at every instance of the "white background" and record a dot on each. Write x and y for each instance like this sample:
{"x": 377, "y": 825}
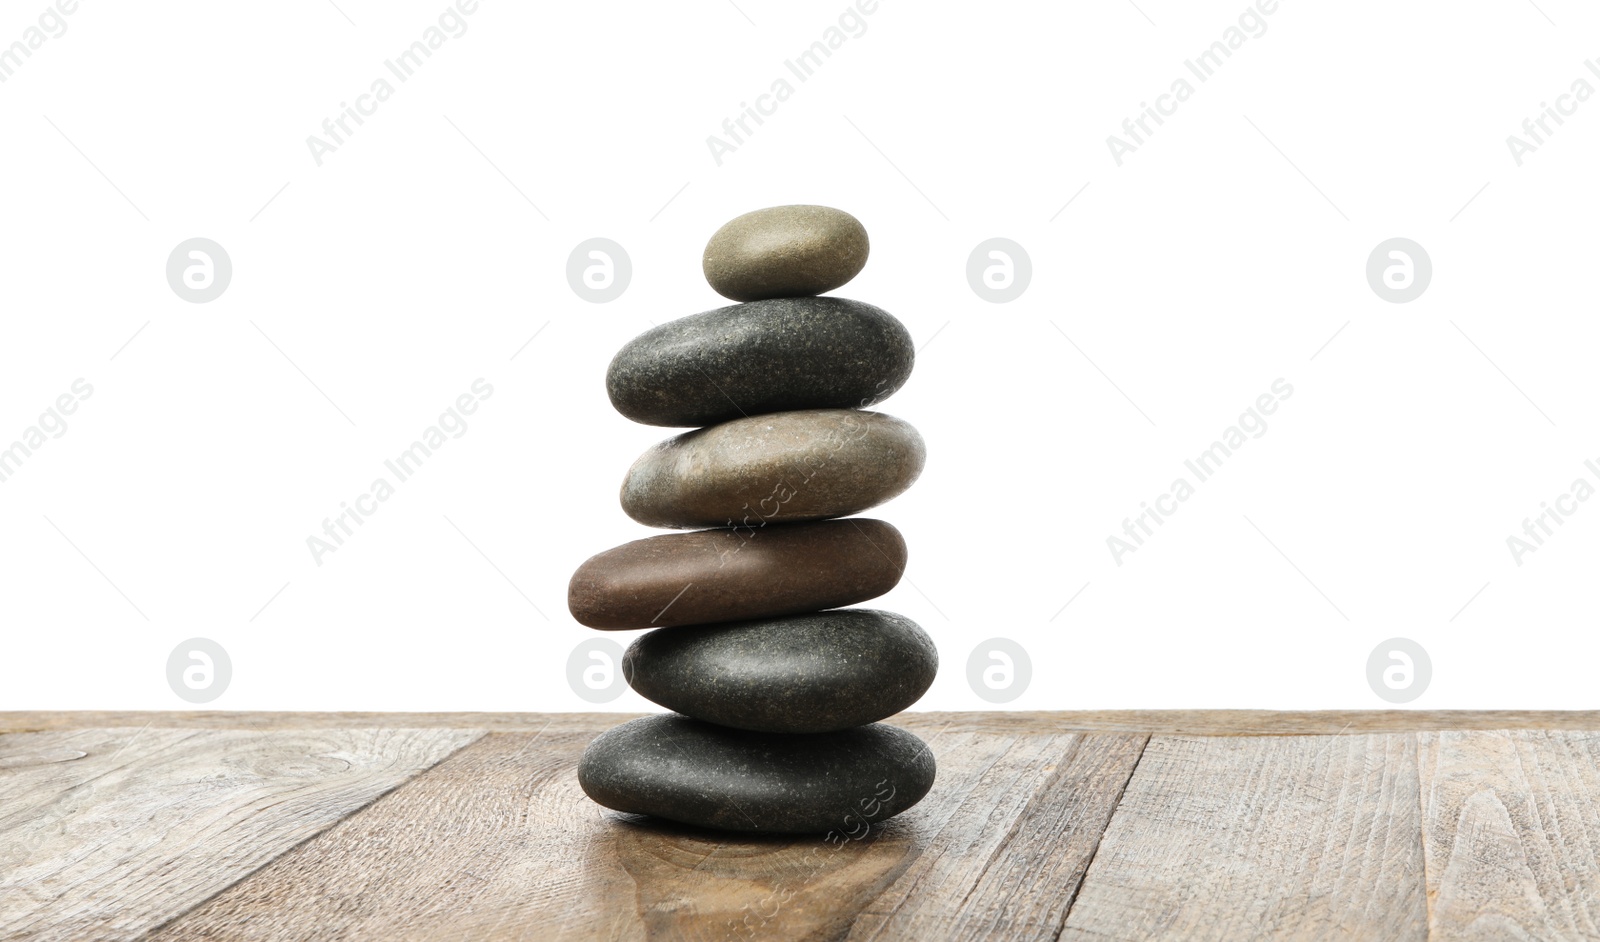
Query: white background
{"x": 413, "y": 260}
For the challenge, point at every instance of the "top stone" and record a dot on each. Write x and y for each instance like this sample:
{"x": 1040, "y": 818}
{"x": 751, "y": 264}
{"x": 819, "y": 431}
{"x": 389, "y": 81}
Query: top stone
{"x": 785, "y": 252}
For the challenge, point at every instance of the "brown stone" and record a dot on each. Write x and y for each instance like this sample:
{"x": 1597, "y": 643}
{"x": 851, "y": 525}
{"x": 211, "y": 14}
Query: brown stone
{"x": 730, "y": 575}
{"x": 786, "y": 466}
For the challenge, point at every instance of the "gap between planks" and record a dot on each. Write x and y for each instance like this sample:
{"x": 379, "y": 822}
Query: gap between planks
{"x": 105, "y": 832}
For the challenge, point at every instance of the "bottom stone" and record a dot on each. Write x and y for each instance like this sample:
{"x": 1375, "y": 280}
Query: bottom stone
{"x": 696, "y": 773}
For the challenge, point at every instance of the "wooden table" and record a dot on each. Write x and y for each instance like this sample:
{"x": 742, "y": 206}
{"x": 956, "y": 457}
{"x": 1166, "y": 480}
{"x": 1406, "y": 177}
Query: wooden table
{"x": 1230, "y": 825}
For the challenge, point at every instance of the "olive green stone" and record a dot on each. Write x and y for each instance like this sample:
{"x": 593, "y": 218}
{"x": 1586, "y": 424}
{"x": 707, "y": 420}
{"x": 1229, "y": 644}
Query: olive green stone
{"x": 785, "y": 252}
{"x": 809, "y": 464}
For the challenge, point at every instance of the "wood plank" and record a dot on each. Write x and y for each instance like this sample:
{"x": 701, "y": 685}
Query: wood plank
{"x": 230, "y": 719}
{"x": 116, "y": 831}
{"x": 994, "y": 851}
{"x": 1512, "y": 834}
{"x": 1002, "y": 851}
{"x": 1158, "y": 722}
{"x": 1253, "y": 838}
{"x": 498, "y": 843}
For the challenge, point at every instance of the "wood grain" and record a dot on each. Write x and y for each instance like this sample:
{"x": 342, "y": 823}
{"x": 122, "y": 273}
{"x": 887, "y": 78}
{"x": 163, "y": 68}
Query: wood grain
{"x": 110, "y": 832}
{"x": 290, "y": 827}
{"x": 1512, "y": 832}
{"x": 498, "y": 842}
{"x": 1006, "y": 841}
{"x": 994, "y": 851}
{"x": 1261, "y": 838}
{"x": 1159, "y": 722}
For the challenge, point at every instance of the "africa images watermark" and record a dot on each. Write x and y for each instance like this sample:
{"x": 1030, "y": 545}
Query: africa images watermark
{"x": 50, "y": 424}
{"x": 783, "y": 491}
{"x": 1537, "y": 529}
{"x": 852, "y": 25}
{"x": 754, "y": 915}
{"x": 452, "y": 25}
{"x": 403, "y": 466}
{"x": 52, "y": 25}
{"x": 1252, "y": 25}
{"x": 1537, "y": 129}
{"x": 1251, "y": 424}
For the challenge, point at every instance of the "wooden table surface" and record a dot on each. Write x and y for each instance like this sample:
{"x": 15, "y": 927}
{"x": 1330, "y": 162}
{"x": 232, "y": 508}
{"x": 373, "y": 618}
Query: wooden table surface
{"x": 1232, "y": 825}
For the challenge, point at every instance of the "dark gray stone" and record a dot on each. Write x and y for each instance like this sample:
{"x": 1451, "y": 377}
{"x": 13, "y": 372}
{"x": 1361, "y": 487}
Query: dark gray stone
{"x": 696, "y": 773}
{"x": 778, "y": 468}
{"x": 764, "y": 356}
{"x": 813, "y": 673}
{"x": 785, "y": 252}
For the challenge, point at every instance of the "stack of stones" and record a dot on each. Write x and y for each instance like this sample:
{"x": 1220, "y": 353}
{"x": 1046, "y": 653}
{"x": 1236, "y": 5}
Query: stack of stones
{"x": 776, "y": 689}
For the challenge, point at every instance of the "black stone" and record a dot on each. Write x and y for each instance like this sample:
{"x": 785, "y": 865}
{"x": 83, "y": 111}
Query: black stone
{"x": 764, "y": 356}
{"x": 696, "y": 773}
{"x": 812, "y": 673}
